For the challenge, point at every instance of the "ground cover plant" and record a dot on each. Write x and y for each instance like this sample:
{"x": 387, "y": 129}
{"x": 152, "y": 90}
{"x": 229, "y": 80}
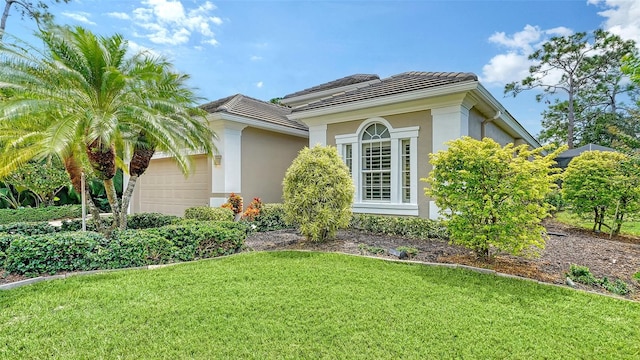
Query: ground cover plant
{"x": 8, "y": 216}
{"x": 311, "y": 305}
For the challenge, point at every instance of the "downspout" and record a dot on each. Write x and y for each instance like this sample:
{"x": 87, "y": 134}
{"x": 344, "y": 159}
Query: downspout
{"x": 486, "y": 121}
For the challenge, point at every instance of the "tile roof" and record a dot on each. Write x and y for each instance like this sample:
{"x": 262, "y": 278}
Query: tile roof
{"x": 397, "y": 84}
{"x": 347, "y": 80}
{"x": 248, "y": 107}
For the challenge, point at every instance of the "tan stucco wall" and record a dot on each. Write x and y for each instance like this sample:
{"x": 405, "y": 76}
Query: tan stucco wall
{"x": 497, "y": 134}
{"x": 164, "y": 189}
{"x": 425, "y": 139}
{"x": 266, "y": 156}
{"x": 475, "y": 123}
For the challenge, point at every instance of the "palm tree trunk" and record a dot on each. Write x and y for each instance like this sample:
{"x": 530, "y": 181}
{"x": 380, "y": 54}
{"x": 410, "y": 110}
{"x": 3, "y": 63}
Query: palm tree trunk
{"x": 126, "y": 199}
{"x": 110, "y": 189}
{"x": 75, "y": 174}
{"x": 5, "y": 15}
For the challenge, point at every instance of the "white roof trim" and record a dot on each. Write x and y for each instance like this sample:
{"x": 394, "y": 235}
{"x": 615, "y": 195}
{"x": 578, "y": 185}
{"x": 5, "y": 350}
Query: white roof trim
{"x": 258, "y": 124}
{"x": 386, "y": 100}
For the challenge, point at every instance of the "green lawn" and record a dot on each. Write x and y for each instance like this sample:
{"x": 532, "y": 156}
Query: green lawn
{"x": 628, "y": 227}
{"x": 301, "y": 305}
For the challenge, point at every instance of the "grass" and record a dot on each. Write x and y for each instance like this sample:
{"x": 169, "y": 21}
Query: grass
{"x": 628, "y": 227}
{"x": 293, "y": 305}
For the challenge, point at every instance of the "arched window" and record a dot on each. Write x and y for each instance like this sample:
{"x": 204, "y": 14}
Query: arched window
{"x": 383, "y": 164}
{"x": 376, "y": 163}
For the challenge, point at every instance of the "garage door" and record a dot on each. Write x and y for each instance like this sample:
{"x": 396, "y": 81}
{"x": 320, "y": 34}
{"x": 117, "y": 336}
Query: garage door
{"x": 164, "y": 189}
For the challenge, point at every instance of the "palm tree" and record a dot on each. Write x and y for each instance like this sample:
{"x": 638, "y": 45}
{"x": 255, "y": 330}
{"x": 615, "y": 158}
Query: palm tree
{"x": 83, "y": 99}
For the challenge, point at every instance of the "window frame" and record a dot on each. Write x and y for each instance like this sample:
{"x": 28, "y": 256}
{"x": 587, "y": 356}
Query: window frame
{"x": 396, "y": 205}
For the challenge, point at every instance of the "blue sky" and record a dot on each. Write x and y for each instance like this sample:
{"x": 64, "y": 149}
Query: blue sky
{"x": 267, "y": 49}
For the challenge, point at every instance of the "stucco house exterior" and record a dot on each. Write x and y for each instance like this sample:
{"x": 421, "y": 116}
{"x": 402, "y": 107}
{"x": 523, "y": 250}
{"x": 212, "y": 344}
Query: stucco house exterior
{"x": 384, "y": 129}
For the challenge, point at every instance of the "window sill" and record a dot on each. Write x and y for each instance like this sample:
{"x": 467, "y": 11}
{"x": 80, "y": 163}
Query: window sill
{"x": 385, "y": 209}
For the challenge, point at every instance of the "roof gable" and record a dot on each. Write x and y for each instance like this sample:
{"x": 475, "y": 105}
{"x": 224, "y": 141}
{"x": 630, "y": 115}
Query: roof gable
{"x": 255, "y": 109}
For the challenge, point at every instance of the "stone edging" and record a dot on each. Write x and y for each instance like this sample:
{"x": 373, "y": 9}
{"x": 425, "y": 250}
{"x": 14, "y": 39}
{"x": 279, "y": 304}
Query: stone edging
{"x": 21, "y": 283}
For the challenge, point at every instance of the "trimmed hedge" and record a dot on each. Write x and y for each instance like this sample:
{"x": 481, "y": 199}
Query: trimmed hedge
{"x": 51, "y": 253}
{"x": 135, "y": 221}
{"x": 37, "y": 228}
{"x": 412, "y": 227}
{"x": 8, "y": 216}
{"x": 206, "y": 213}
{"x": 203, "y": 239}
{"x": 76, "y": 251}
{"x": 271, "y": 217}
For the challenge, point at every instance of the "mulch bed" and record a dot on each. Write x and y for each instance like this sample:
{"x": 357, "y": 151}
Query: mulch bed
{"x": 618, "y": 257}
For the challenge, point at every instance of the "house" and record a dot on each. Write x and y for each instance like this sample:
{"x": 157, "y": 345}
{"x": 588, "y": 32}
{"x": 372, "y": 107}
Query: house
{"x": 384, "y": 130}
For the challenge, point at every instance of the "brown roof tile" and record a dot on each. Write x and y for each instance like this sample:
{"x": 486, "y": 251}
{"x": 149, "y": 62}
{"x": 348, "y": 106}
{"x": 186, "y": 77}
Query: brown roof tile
{"x": 397, "y": 84}
{"x": 248, "y": 107}
{"x": 347, "y": 80}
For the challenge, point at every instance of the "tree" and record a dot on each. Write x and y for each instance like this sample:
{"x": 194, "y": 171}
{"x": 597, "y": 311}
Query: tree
{"x": 84, "y": 100}
{"x": 37, "y": 11}
{"x": 601, "y": 184}
{"x": 493, "y": 196}
{"x": 43, "y": 179}
{"x": 580, "y": 65}
{"x": 318, "y": 193}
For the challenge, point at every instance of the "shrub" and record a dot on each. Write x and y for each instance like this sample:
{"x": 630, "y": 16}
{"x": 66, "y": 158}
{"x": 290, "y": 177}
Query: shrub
{"x": 253, "y": 210}
{"x": 600, "y": 183}
{"x": 150, "y": 220}
{"x": 411, "y": 227}
{"x": 581, "y": 274}
{"x": 76, "y": 225}
{"x": 493, "y": 196}
{"x": 637, "y": 276}
{"x": 271, "y": 217}
{"x": 208, "y": 213}
{"x": 132, "y": 248}
{"x": 37, "y": 228}
{"x": 234, "y": 202}
{"x": 618, "y": 286}
{"x": 51, "y": 253}
{"x": 203, "y": 239}
{"x": 8, "y": 216}
{"x": 318, "y": 193}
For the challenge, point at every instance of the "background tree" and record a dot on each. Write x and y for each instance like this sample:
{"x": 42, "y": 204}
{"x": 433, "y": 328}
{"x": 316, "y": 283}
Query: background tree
{"x": 318, "y": 193}
{"x": 38, "y": 11}
{"x": 601, "y": 184}
{"x": 583, "y": 66}
{"x": 85, "y": 101}
{"x": 43, "y": 179}
{"x": 493, "y": 196}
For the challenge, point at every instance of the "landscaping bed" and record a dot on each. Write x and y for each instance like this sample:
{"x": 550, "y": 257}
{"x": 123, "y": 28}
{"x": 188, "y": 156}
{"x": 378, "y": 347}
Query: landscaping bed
{"x": 615, "y": 258}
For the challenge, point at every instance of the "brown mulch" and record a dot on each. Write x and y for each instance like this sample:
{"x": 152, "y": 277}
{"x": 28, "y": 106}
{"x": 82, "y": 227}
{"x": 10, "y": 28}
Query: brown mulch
{"x": 618, "y": 257}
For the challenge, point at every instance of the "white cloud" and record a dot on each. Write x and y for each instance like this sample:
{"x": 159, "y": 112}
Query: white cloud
{"x": 135, "y": 48}
{"x": 513, "y": 64}
{"x": 119, "y": 15}
{"x": 79, "y": 16}
{"x": 259, "y": 84}
{"x": 169, "y": 22}
{"x": 622, "y": 17}
{"x": 256, "y": 58}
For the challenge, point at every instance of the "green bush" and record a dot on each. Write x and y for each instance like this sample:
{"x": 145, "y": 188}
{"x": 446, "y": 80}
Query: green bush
{"x": 411, "y": 227}
{"x": 37, "y": 228}
{"x": 581, "y": 274}
{"x": 51, "y": 253}
{"x": 132, "y": 248}
{"x": 271, "y": 217}
{"x": 618, "y": 286}
{"x": 492, "y": 197}
{"x": 209, "y": 213}
{"x": 8, "y": 216}
{"x": 318, "y": 193}
{"x": 76, "y": 225}
{"x": 200, "y": 240}
{"x": 150, "y": 220}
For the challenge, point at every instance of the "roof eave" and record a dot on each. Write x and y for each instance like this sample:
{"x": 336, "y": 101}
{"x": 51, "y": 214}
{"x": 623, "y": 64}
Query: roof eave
{"x": 260, "y": 124}
{"x": 386, "y": 100}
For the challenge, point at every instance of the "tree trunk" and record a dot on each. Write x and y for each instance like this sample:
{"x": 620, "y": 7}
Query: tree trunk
{"x": 126, "y": 199}
{"x": 75, "y": 174}
{"x": 110, "y": 189}
{"x": 571, "y": 117}
{"x": 103, "y": 159}
{"x": 5, "y": 15}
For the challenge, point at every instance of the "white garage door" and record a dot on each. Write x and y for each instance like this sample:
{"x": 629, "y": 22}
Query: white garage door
{"x": 164, "y": 189}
